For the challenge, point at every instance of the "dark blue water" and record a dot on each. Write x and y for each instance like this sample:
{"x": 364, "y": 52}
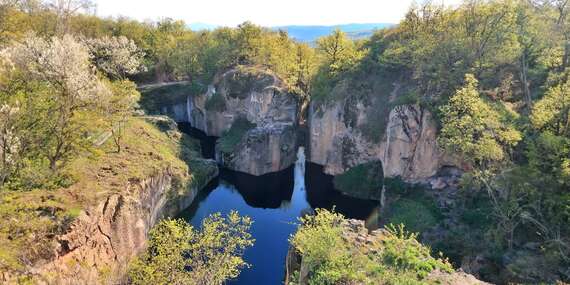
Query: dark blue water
{"x": 274, "y": 202}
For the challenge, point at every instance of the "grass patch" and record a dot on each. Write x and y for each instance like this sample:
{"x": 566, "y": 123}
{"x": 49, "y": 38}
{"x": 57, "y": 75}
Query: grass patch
{"x": 154, "y": 98}
{"x": 232, "y": 137}
{"x": 362, "y": 181}
{"x": 415, "y": 215}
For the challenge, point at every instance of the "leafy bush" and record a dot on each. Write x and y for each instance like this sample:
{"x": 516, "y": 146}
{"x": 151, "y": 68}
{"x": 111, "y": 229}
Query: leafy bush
{"x": 232, "y": 137}
{"x": 415, "y": 215}
{"x": 179, "y": 254}
{"x": 333, "y": 258}
{"x": 403, "y": 251}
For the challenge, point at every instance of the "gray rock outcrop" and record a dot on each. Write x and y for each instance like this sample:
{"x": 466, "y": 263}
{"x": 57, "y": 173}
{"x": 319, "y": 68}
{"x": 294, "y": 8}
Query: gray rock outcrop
{"x": 259, "y": 96}
{"x": 408, "y": 147}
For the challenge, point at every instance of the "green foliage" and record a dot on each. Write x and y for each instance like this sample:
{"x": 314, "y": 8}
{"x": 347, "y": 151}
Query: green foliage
{"x": 232, "y": 137}
{"x": 552, "y": 112}
{"x": 216, "y": 103}
{"x": 472, "y": 129}
{"x": 416, "y": 215}
{"x": 179, "y": 254}
{"x": 403, "y": 251}
{"x": 362, "y": 181}
{"x": 340, "y": 52}
{"x": 332, "y": 258}
{"x": 550, "y": 154}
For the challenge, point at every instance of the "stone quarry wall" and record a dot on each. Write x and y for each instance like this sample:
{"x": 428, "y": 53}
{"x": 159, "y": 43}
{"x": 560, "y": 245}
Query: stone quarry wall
{"x": 104, "y": 238}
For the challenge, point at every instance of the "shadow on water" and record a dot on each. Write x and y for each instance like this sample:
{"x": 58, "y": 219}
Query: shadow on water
{"x": 207, "y": 143}
{"x": 269, "y": 191}
{"x": 321, "y": 194}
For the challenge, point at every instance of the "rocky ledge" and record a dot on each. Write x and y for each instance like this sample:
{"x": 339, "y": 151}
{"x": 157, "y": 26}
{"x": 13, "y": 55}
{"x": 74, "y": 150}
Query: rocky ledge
{"x": 262, "y": 150}
{"x": 364, "y": 241}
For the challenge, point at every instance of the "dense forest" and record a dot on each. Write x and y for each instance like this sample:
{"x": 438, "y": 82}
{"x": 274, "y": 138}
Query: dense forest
{"x": 495, "y": 74}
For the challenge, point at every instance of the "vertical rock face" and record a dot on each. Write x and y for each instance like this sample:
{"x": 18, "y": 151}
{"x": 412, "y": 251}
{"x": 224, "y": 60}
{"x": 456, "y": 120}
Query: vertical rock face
{"x": 410, "y": 148}
{"x": 102, "y": 240}
{"x": 245, "y": 91}
{"x": 262, "y": 98}
{"x": 407, "y": 147}
{"x": 263, "y": 150}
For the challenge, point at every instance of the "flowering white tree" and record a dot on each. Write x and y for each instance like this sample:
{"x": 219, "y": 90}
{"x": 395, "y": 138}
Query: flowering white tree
{"x": 9, "y": 143}
{"x": 117, "y": 57}
{"x": 63, "y": 65}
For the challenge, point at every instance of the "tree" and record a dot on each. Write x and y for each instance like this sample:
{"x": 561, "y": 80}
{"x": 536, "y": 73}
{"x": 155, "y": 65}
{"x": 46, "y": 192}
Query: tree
{"x": 476, "y": 132}
{"x": 339, "y": 51}
{"x": 249, "y": 42}
{"x": 179, "y": 254}
{"x": 9, "y": 142}
{"x": 62, "y": 67}
{"x": 65, "y": 9}
{"x": 119, "y": 108}
{"x": 472, "y": 129}
{"x": 552, "y": 112}
{"x": 117, "y": 57}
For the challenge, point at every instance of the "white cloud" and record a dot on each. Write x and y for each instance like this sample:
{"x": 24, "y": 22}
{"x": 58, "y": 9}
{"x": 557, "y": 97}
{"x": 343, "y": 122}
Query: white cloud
{"x": 262, "y": 12}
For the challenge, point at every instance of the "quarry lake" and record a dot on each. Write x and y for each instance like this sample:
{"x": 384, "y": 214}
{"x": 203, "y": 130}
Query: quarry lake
{"x": 274, "y": 202}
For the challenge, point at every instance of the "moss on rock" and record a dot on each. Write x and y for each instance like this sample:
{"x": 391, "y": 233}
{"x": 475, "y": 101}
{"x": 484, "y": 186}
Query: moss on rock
{"x": 231, "y": 138}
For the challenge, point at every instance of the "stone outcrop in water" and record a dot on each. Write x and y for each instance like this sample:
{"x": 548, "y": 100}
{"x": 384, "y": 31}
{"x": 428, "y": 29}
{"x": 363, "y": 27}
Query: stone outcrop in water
{"x": 259, "y": 96}
{"x": 262, "y": 150}
{"x": 407, "y": 146}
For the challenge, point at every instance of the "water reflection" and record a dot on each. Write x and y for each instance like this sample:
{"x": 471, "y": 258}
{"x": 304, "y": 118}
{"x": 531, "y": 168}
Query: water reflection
{"x": 274, "y": 202}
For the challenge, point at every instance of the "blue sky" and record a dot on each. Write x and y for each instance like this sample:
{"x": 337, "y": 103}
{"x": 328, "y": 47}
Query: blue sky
{"x": 262, "y": 12}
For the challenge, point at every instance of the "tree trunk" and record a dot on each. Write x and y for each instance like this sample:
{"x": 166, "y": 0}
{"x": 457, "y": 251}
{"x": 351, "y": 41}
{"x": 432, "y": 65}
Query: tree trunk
{"x": 524, "y": 82}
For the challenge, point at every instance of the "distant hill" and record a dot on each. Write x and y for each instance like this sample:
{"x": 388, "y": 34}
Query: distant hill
{"x": 311, "y": 33}
{"x": 201, "y": 26}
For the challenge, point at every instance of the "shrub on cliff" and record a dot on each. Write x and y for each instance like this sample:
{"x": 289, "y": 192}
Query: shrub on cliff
{"x": 335, "y": 254}
{"x": 232, "y": 137}
{"x": 179, "y": 254}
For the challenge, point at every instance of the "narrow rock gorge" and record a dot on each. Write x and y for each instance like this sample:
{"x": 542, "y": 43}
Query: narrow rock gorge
{"x": 343, "y": 133}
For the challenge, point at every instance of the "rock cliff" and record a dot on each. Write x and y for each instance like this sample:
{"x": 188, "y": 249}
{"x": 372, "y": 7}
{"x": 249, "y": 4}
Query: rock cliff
{"x": 407, "y": 146}
{"x": 104, "y": 238}
{"x": 263, "y": 99}
{"x": 262, "y": 150}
